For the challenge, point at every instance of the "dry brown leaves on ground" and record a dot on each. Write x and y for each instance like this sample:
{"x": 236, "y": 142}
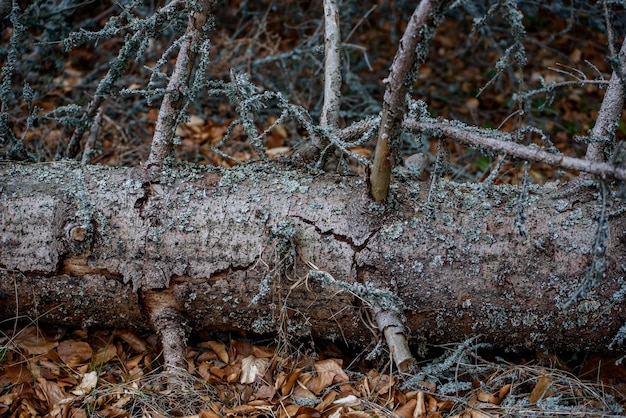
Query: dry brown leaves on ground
{"x": 116, "y": 374}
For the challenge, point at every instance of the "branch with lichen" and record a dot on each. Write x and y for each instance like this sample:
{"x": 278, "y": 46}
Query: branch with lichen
{"x": 126, "y": 53}
{"x": 610, "y": 111}
{"x": 412, "y": 52}
{"x": 162, "y": 141}
{"x": 501, "y": 142}
{"x": 329, "y": 117}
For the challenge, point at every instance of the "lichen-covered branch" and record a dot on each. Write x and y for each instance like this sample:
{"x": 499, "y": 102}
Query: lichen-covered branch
{"x": 162, "y": 141}
{"x": 412, "y": 52}
{"x": 116, "y": 68}
{"x": 496, "y": 141}
{"x": 610, "y": 111}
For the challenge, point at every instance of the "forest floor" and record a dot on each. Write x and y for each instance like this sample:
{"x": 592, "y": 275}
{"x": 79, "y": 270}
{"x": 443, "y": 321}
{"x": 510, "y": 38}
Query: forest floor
{"x": 59, "y": 372}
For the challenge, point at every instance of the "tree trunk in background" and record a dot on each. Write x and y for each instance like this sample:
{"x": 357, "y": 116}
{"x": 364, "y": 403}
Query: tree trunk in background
{"x": 232, "y": 249}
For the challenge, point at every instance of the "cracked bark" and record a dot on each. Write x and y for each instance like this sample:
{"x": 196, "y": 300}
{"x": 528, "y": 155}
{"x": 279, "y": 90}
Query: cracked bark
{"x": 87, "y": 245}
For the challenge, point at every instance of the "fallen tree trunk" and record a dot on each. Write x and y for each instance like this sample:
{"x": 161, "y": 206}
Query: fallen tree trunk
{"x": 265, "y": 247}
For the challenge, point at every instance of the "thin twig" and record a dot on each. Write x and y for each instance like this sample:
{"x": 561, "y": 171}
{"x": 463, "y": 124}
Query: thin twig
{"x": 92, "y": 138}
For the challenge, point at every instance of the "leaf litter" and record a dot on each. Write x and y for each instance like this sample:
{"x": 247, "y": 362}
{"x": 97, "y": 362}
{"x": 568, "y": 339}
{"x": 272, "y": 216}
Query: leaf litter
{"x": 118, "y": 374}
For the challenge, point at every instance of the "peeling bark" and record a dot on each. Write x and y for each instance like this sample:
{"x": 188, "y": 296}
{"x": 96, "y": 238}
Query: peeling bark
{"x": 86, "y": 246}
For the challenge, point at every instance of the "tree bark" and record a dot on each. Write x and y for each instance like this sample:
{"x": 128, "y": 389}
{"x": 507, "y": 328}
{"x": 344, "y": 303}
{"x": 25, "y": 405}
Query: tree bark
{"x": 240, "y": 249}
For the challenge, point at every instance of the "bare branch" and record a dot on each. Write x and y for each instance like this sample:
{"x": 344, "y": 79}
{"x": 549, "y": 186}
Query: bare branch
{"x": 332, "y": 82}
{"x": 390, "y": 325}
{"x": 610, "y": 110}
{"x": 179, "y": 80}
{"x": 332, "y": 65}
{"x": 488, "y": 139}
{"x": 412, "y": 52}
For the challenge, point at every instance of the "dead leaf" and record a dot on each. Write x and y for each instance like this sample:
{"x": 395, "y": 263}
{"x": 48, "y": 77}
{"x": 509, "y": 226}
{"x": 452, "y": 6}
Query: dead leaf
{"x": 136, "y": 343}
{"x": 88, "y": 382}
{"x": 8, "y": 398}
{"x": 18, "y": 373}
{"x": 134, "y": 362}
{"x": 232, "y": 372}
{"x": 475, "y": 413}
{"x": 407, "y": 410}
{"x": 326, "y": 400}
{"x": 241, "y": 409}
{"x": 205, "y": 373}
{"x": 491, "y": 398}
{"x": 277, "y": 151}
{"x": 218, "y": 348}
{"x": 104, "y": 355}
{"x": 420, "y": 407}
{"x": 300, "y": 391}
{"x": 195, "y": 120}
{"x": 356, "y": 414}
{"x": 51, "y": 393}
{"x": 541, "y": 389}
{"x": 33, "y": 342}
{"x": 328, "y": 372}
{"x": 263, "y": 352}
{"x": 382, "y": 384}
{"x": 112, "y": 412}
{"x": 291, "y": 380}
{"x": 207, "y": 413}
{"x": 206, "y": 356}
{"x": 349, "y": 400}
{"x": 265, "y": 392}
{"x": 363, "y": 152}
{"x": 73, "y": 352}
{"x": 251, "y": 368}
{"x": 239, "y": 349}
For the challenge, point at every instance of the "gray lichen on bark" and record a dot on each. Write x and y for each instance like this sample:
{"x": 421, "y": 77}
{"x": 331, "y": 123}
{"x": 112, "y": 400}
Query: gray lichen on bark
{"x": 205, "y": 241}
